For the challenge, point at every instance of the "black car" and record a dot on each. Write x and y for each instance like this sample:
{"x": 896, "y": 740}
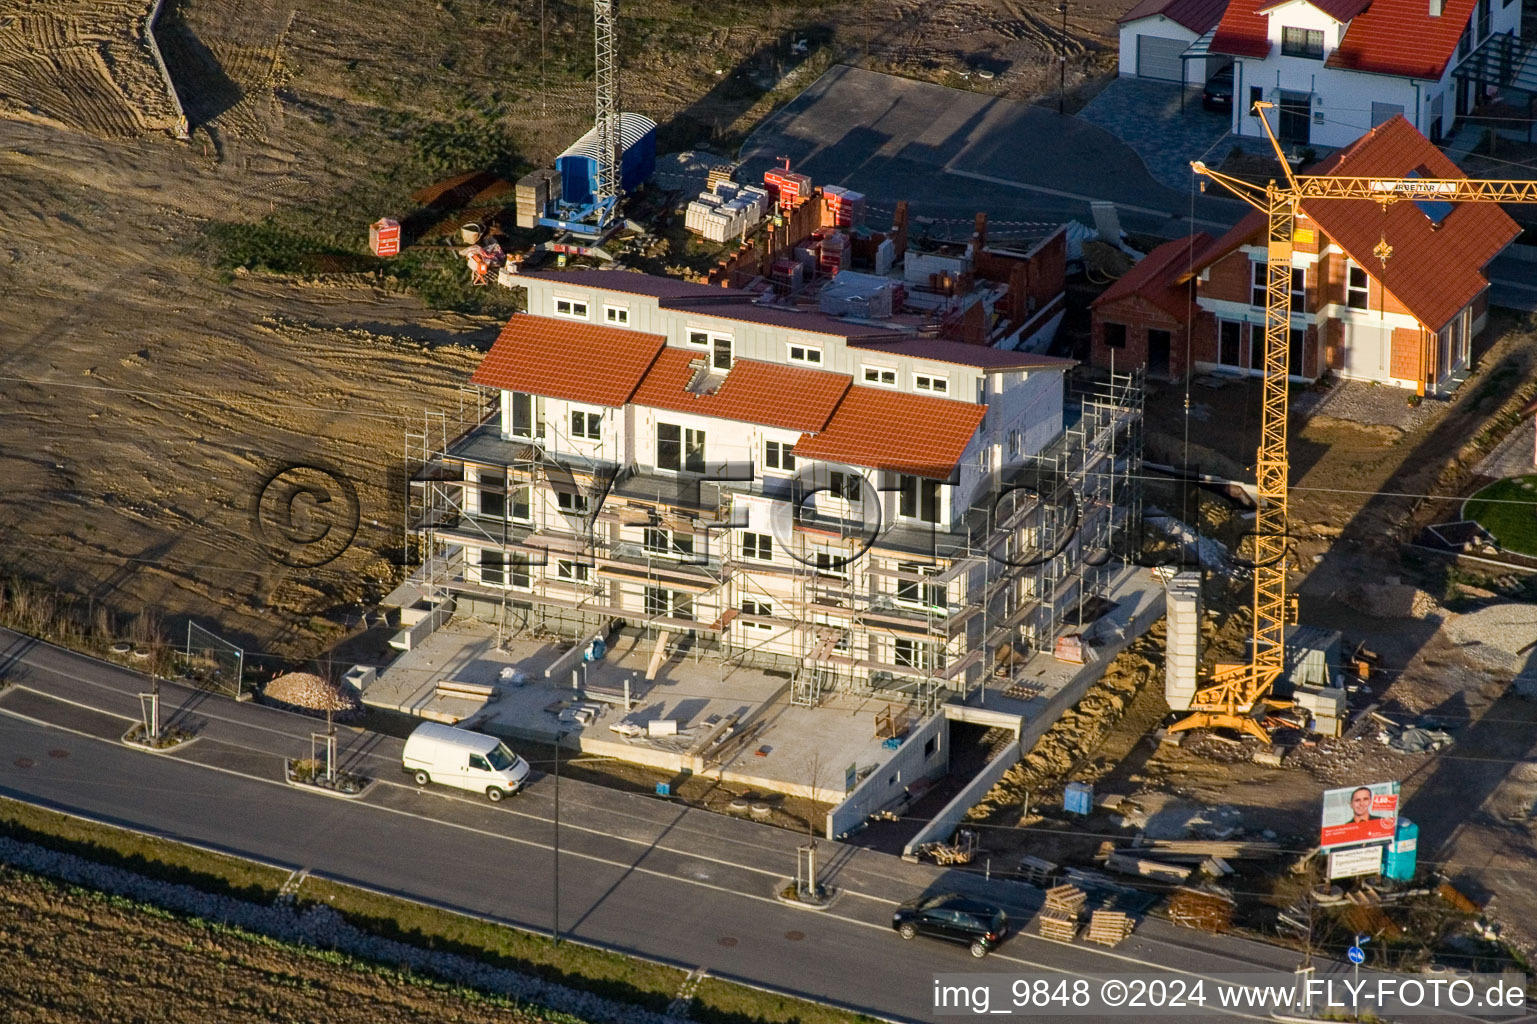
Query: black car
{"x": 1218, "y": 94}
{"x": 953, "y": 917}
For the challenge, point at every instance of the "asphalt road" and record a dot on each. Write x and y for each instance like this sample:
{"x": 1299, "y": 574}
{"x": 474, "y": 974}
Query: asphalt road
{"x": 637, "y": 874}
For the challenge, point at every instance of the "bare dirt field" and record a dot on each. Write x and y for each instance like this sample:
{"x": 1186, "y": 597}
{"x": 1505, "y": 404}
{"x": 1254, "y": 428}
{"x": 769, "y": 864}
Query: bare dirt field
{"x": 63, "y": 956}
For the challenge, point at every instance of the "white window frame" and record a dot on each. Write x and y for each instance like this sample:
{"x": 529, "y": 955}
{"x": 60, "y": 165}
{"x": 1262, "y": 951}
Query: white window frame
{"x": 572, "y": 305}
{"x": 692, "y": 337}
{"x": 841, "y": 570}
{"x": 580, "y": 504}
{"x": 880, "y": 374}
{"x": 783, "y": 460}
{"x": 931, "y": 383}
{"x": 1365, "y": 291}
{"x": 800, "y": 352}
{"x": 670, "y": 548}
{"x": 1016, "y": 444}
{"x": 572, "y": 571}
{"x": 588, "y": 419}
{"x": 921, "y": 591}
{"x": 758, "y": 606}
{"x": 616, "y": 316}
{"x": 753, "y": 545}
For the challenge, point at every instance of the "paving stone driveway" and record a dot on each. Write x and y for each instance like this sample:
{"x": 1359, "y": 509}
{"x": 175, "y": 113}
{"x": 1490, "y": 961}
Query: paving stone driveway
{"x": 1147, "y": 117}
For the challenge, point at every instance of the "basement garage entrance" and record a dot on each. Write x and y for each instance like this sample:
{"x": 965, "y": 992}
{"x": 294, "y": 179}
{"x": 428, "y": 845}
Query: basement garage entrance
{"x": 1160, "y": 58}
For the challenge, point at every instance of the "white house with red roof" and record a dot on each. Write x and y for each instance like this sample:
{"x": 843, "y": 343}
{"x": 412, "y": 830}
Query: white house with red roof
{"x": 1155, "y": 35}
{"x": 1396, "y": 295}
{"x": 796, "y": 490}
{"x": 1337, "y": 68}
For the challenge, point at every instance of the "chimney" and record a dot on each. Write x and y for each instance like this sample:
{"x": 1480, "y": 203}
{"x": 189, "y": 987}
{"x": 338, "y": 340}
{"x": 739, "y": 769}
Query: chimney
{"x": 1436, "y": 7}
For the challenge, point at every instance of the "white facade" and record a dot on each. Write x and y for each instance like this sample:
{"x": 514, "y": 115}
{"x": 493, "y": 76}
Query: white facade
{"x": 1343, "y": 105}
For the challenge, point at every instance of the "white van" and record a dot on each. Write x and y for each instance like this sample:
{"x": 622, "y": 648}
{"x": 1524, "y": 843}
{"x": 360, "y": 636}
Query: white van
{"x": 464, "y": 759}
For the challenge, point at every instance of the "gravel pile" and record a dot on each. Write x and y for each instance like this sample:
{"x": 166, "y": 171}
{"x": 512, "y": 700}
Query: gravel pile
{"x": 320, "y": 927}
{"x": 306, "y": 690}
{"x": 1494, "y": 636}
{"x": 1391, "y": 600}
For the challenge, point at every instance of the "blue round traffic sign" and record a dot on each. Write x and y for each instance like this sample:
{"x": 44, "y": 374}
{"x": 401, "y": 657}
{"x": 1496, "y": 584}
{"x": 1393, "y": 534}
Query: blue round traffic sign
{"x": 1357, "y": 954}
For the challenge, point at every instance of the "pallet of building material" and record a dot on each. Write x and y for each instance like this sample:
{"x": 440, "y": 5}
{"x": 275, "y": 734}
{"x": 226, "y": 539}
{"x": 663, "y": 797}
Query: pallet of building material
{"x": 1024, "y": 691}
{"x": 1065, "y": 899}
{"x": 1036, "y": 871}
{"x": 1058, "y": 927}
{"x": 1109, "y": 927}
{"x": 718, "y": 174}
{"x": 467, "y": 691}
{"x": 1201, "y": 908}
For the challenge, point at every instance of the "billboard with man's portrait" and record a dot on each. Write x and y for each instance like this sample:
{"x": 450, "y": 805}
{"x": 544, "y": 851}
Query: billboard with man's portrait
{"x": 1359, "y": 814}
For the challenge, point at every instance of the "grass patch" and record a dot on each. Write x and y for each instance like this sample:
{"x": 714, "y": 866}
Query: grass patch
{"x": 1508, "y": 509}
{"x": 142, "y": 854}
{"x": 265, "y": 246}
{"x": 724, "y": 1002}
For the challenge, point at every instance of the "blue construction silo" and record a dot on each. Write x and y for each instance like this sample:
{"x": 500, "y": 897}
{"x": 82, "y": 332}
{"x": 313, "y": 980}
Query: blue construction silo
{"x": 578, "y": 165}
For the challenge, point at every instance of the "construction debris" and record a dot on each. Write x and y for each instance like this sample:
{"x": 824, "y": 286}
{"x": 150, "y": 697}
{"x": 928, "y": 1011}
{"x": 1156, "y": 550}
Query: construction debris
{"x": 307, "y": 690}
{"x": 961, "y": 851}
{"x": 1209, "y": 910}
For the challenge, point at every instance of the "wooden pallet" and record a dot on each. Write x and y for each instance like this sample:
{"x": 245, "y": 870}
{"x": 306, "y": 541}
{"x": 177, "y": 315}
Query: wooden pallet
{"x": 1037, "y": 871}
{"x": 1196, "y": 908}
{"x": 1065, "y": 899}
{"x": 1109, "y": 927}
{"x": 1058, "y": 927}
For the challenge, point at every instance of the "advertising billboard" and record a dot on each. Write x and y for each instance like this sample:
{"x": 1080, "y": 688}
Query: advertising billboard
{"x": 1363, "y": 860}
{"x": 1359, "y": 814}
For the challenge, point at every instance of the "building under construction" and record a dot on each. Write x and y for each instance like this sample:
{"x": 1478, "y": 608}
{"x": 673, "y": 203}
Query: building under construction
{"x": 865, "y": 511}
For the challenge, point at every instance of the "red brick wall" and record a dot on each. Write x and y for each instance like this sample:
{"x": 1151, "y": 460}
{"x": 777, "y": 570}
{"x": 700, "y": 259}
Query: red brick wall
{"x": 1139, "y": 316}
{"x": 1334, "y": 347}
{"x": 1228, "y": 279}
{"x": 1404, "y": 361}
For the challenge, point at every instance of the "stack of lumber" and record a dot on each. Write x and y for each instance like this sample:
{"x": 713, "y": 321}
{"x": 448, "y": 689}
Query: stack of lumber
{"x": 1109, "y": 927}
{"x": 1058, "y": 927}
{"x": 1194, "y": 851}
{"x": 1157, "y": 870}
{"x": 1065, "y": 899}
{"x": 1208, "y": 910}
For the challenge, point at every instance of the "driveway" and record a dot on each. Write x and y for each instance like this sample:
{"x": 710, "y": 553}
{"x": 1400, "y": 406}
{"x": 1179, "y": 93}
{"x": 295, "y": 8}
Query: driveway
{"x": 1166, "y": 129}
{"x": 951, "y": 152}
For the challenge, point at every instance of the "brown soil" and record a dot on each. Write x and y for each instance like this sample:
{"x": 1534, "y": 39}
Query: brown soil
{"x": 62, "y": 960}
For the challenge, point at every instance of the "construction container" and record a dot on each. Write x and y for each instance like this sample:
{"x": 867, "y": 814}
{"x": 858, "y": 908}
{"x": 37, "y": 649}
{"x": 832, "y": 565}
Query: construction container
{"x": 1400, "y": 861}
{"x": 1078, "y": 798}
{"x": 1182, "y": 641}
{"x": 578, "y": 165}
{"x": 384, "y": 237}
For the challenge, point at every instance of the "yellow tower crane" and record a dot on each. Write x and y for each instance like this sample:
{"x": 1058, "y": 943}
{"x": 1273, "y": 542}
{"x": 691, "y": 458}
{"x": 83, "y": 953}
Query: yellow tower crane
{"x": 1234, "y": 691}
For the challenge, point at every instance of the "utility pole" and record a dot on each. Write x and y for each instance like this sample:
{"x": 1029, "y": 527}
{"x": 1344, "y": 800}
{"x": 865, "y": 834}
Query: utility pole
{"x": 555, "y": 892}
{"x": 1062, "y": 63}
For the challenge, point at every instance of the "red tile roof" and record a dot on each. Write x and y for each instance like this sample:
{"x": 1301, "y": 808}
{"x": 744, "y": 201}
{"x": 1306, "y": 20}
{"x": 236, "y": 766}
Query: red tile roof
{"x": 753, "y": 392}
{"x": 1196, "y": 15}
{"x": 1340, "y": 10}
{"x": 1399, "y": 37}
{"x": 893, "y": 431}
{"x": 1243, "y": 31}
{"x": 565, "y": 359}
{"x": 1435, "y": 270}
{"x": 1160, "y": 275}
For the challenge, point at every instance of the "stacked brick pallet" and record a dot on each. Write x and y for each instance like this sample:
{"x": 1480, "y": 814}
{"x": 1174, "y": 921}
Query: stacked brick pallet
{"x": 1059, "y": 920}
{"x": 727, "y": 211}
{"x": 788, "y": 188}
{"x": 845, "y": 207}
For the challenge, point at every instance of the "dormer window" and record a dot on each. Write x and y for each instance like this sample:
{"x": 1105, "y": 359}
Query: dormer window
{"x": 1302, "y": 42}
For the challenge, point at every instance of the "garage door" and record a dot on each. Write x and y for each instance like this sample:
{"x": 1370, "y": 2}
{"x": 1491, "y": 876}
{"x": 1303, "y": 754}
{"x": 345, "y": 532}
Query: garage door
{"x": 1159, "y": 58}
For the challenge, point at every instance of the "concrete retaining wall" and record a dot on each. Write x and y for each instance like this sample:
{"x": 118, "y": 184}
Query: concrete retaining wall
{"x": 183, "y": 129}
{"x": 907, "y": 765}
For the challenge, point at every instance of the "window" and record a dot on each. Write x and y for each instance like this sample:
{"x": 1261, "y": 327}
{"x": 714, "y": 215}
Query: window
{"x": 751, "y": 606}
{"x": 1295, "y": 349}
{"x": 778, "y": 455}
{"x": 1357, "y": 287}
{"x": 1299, "y": 290}
{"x": 917, "y": 655}
{"x": 679, "y": 450}
{"x": 918, "y": 498}
{"x": 924, "y": 595}
{"x": 570, "y": 569}
{"x": 661, "y": 601}
{"x": 806, "y": 354}
{"x": 576, "y": 504}
{"x": 1257, "y": 346}
{"x": 720, "y": 353}
{"x": 1302, "y": 42}
{"x": 518, "y": 575}
{"x": 492, "y": 571}
{"x": 1256, "y": 93}
{"x": 522, "y": 503}
{"x": 587, "y": 426}
{"x": 700, "y": 339}
{"x": 880, "y": 376}
{"x": 616, "y": 315}
{"x": 1229, "y": 343}
{"x": 936, "y": 385}
{"x": 848, "y": 486}
{"x": 522, "y": 415}
{"x": 571, "y": 308}
{"x": 1259, "y": 284}
{"x": 1014, "y": 444}
{"x": 479, "y": 763}
{"x": 667, "y": 542}
{"x": 1115, "y": 335}
{"x": 831, "y": 564}
{"x": 759, "y": 546}
{"x": 493, "y": 499}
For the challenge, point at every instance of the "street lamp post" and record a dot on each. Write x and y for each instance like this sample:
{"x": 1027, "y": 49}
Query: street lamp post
{"x": 556, "y": 846}
{"x": 1062, "y": 62}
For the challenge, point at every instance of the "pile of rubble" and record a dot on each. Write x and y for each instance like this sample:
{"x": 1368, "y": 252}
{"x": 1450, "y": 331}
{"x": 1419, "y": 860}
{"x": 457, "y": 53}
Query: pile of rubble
{"x": 1502, "y": 637}
{"x": 1390, "y": 600}
{"x": 310, "y": 692}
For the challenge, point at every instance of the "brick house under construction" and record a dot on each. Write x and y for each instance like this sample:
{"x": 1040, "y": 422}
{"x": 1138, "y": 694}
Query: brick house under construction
{"x": 1394, "y": 294}
{"x": 782, "y": 488}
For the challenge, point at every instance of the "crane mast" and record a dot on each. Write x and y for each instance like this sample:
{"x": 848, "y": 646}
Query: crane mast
{"x": 606, "y": 112}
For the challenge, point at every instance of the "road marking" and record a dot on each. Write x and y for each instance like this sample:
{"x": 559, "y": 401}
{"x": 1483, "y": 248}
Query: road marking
{"x": 1023, "y": 187}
